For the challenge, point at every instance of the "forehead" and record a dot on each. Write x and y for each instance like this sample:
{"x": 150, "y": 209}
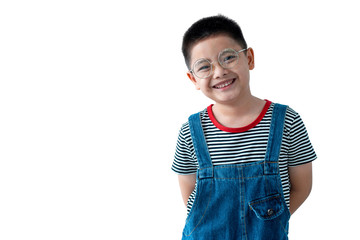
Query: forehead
{"x": 210, "y": 47}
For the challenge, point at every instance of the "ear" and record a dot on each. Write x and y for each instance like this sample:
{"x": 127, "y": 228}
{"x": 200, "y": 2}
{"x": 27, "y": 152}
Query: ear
{"x": 251, "y": 58}
{"x": 193, "y": 80}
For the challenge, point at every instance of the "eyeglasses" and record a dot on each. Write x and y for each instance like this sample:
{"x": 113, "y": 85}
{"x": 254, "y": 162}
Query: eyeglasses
{"x": 227, "y": 58}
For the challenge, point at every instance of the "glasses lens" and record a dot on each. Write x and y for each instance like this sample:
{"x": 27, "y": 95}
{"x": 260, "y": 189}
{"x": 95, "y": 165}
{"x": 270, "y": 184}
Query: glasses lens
{"x": 202, "y": 68}
{"x": 228, "y": 58}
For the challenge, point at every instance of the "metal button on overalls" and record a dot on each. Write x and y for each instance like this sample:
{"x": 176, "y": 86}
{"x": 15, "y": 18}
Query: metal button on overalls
{"x": 270, "y": 212}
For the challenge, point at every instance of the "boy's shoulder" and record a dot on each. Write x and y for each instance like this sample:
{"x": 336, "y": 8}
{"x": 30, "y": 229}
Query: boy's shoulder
{"x": 203, "y": 116}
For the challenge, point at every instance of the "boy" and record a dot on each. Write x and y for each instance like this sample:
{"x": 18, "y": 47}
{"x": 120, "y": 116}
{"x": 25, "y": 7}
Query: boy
{"x": 244, "y": 163}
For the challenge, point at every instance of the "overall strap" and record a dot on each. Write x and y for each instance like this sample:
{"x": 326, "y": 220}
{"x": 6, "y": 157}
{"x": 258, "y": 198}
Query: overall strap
{"x": 200, "y": 146}
{"x": 275, "y": 139}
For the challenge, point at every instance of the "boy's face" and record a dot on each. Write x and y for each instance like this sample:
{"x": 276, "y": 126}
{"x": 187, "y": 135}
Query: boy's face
{"x": 224, "y": 85}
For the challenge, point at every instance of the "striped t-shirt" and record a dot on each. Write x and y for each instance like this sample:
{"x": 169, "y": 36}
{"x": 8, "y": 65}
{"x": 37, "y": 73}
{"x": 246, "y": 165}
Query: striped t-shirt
{"x": 246, "y": 144}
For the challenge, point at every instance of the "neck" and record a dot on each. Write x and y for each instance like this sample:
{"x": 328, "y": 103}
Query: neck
{"x": 238, "y": 108}
{"x": 238, "y": 114}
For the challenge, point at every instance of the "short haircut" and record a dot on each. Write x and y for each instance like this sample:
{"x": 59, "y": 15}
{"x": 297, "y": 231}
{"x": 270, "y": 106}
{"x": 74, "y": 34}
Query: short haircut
{"x": 208, "y": 27}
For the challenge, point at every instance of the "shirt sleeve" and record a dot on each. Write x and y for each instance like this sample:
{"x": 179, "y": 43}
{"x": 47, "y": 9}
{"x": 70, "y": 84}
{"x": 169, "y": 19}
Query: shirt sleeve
{"x": 300, "y": 149}
{"x": 184, "y": 160}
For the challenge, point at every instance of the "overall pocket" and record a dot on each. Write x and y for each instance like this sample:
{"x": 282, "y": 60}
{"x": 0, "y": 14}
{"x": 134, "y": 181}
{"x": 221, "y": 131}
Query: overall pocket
{"x": 268, "y": 208}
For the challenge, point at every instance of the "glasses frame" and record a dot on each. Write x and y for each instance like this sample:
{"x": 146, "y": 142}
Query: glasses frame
{"x": 211, "y": 63}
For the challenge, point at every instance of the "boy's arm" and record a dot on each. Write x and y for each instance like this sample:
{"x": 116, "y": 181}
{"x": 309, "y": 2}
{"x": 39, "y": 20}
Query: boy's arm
{"x": 187, "y": 185}
{"x": 301, "y": 183}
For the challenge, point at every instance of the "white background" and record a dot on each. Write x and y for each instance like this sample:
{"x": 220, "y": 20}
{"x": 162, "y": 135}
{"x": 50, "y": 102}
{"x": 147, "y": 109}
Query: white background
{"x": 93, "y": 94}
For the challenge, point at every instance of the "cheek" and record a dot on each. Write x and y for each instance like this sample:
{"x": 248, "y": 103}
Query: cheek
{"x": 243, "y": 72}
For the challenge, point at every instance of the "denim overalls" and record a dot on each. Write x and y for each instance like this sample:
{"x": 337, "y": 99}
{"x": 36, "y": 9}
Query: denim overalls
{"x": 239, "y": 201}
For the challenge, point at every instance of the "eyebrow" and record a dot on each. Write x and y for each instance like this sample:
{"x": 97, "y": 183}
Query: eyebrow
{"x": 201, "y": 60}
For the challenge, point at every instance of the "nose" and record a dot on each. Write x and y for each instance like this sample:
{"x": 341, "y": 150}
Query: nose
{"x": 219, "y": 71}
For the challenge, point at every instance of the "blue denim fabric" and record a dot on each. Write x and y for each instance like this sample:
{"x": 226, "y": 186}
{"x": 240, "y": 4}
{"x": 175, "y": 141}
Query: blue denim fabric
{"x": 240, "y": 201}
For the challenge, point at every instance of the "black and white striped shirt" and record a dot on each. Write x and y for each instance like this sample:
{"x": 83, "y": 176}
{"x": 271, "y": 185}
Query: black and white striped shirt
{"x": 243, "y": 145}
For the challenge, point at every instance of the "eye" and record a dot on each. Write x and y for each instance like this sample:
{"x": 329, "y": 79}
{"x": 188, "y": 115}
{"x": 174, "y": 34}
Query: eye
{"x": 229, "y": 58}
{"x": 203, "y": 68}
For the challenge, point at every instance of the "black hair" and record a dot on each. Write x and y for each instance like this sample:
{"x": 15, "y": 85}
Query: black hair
{"x": 208, "y": 27}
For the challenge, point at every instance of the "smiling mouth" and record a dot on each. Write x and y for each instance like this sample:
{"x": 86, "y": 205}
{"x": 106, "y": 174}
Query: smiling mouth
{"x": 224, "y": 83}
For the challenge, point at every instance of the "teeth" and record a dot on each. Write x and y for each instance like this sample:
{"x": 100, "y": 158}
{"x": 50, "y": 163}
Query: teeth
{"x": 224, "y": 84}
